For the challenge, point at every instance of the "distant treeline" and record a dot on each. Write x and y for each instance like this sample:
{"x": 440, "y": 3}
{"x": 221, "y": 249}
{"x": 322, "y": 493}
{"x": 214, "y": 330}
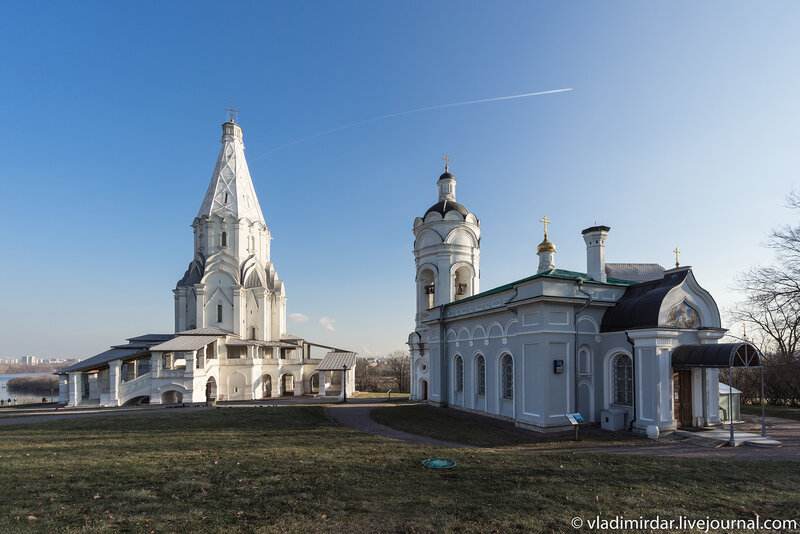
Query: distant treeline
{"x": 13, "y": 368}
{"x": 34, "y": 384}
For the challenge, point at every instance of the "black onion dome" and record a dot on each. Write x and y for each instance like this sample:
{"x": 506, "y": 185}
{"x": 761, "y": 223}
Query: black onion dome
{"x": 447, "y": 205}
{"x": 447, "y": 176}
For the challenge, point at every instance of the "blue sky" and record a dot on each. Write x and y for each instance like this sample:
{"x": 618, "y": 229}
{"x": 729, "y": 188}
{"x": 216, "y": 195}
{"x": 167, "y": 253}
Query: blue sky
{"x": 682, "y": 130}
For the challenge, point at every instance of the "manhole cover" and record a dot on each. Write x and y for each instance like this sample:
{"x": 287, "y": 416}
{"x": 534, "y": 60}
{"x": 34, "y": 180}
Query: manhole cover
{"x": 438, "y": 463}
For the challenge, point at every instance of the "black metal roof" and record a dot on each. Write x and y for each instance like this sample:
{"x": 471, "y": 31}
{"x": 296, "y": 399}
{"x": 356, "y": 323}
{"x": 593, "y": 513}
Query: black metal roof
{"x": 716, "y": 355}
{"x": 446, "y": 176}
{"x": 639, "y": 306}
{"x": 595, "y": 228}
{"x": 447, "y": 205}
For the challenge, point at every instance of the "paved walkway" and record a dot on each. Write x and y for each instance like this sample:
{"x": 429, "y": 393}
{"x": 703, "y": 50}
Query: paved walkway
{"x": 787, "y": 431}
{"x": 355, "y": 415}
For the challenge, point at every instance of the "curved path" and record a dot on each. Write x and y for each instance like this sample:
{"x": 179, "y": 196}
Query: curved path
{"x": 355, "y": 415}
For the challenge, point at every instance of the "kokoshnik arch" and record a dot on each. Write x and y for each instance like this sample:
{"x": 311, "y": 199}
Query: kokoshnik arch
{"x": 230, "y": 318}
{"x": 599, "y": 343}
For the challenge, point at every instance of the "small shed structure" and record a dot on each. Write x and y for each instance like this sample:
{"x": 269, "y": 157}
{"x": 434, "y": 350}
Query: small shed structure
{"x": 729, "y": 404}
{"x": 333, "y": 362}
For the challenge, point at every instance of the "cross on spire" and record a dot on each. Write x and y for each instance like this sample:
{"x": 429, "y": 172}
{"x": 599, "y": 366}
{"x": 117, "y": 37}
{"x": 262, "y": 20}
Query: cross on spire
{"x": 232, "y": 112}
{"x": 446, "y": 163}
{"x": 676, "y": 251}
{"x": 546, "y": 221}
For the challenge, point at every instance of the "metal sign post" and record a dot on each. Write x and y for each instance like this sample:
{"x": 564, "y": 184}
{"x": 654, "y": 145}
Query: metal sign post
{"x": 576, "y": 420}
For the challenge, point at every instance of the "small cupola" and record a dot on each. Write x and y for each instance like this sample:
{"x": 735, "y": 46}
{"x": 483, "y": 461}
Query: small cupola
{"x": 546, "y": 250}
{"x": 447, "y": 183}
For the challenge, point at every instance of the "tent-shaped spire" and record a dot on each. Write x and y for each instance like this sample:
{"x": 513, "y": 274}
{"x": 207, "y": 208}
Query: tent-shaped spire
{"x": 231, "y": 189}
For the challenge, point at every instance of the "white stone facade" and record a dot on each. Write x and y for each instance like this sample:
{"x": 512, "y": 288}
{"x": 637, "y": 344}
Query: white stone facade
{"x": 230, "y": 340}
{"x": 538, "y": 348}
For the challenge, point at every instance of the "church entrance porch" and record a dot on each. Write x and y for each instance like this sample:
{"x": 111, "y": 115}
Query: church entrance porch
{"x": 704, "y": 359}
{"x": 682, "y": 397}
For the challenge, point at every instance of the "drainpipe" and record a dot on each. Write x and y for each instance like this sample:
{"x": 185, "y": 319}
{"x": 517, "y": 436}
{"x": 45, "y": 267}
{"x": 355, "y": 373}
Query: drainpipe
{"x": 445, "y": 364}
{"x": 633, "y": 379}
{"x": 577, "y": 313}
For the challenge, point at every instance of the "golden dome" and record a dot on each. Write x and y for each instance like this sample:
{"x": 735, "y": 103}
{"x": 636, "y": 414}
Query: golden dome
{"x": 545, "y": 246}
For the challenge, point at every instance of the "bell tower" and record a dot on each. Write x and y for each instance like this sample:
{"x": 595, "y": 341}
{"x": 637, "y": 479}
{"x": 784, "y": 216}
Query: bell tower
{"x": 446, "y": 249}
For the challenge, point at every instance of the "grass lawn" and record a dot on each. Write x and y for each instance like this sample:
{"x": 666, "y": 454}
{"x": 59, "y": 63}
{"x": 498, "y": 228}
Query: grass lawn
{"x": 288, "y": 469}
{"x": 772, "y": 411}
{"x": 455, "y": 428}
{"x": 11, "y": 407}
{"x": 381, "y": 394}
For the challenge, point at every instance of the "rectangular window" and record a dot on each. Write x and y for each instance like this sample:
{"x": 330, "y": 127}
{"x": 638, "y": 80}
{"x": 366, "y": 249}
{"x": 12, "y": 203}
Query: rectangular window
{"x": 219, "y": 313}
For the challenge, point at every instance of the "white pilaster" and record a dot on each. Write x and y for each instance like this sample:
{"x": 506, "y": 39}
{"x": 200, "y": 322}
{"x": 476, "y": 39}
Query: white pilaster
{"x": 238, "y": 307}
{"x": 114, "y": 375}
{"x": 200, "y": 311}
{"x": 74, "y": 388}
{"x": 63, "y": 389}
{"x": 653, "y": 379}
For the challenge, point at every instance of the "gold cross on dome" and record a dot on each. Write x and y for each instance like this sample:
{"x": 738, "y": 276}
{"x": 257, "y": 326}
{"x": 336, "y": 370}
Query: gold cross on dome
{"x": 446, "y": 163}
{"x": 232, "y": 112}
{"x": 546, "y": 221}
{"x": 676, "y": 251}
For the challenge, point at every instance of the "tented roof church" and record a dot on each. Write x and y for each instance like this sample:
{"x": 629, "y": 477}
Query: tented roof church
{"x": 629, "y": 345}
{"x": 230, "y": 317}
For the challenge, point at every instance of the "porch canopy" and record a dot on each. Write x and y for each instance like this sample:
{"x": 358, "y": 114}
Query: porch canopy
{"x": 721, "y": 355}
{"x": 335, "y": 361}
{"x": 718, "y": 355}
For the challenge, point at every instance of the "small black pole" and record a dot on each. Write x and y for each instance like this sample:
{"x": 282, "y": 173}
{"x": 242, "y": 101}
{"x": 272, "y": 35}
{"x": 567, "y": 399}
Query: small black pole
{"x": 344, "y": 383}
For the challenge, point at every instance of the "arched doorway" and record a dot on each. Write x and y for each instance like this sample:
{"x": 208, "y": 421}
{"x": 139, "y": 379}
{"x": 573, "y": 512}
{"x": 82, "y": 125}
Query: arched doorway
{"x": 314, "y": 381}
{"x": 171, "y": 397}
{"x": 424, "y": 390}
{"x": 211, "y": 390}
{"x": 267, "y": 387}
{"x": 287, "y": 384}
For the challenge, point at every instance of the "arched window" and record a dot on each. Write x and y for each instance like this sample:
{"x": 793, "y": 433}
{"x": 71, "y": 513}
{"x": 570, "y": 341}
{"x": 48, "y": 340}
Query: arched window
{"x": 459, "y": 374}
{"x": 427, "y": 290}
{"x": 219, "y": 313}
{"x": 507, "y": 377}
{"x": 623, "y": 380}
{"x": 253, "y": 332}
{"x": 224, "y": 239}
{"x": 584, "y": 362}
{"x": 480, "y": 375}
{"x": 462, "y": 283}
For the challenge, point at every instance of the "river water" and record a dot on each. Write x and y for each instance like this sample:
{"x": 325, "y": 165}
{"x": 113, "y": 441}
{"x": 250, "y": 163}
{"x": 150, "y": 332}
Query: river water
{"x": 23, "y": 397}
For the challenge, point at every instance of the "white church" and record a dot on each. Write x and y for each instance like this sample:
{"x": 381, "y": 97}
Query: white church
{"x": 629, "y": 345}
{"x": 230, "y": 318}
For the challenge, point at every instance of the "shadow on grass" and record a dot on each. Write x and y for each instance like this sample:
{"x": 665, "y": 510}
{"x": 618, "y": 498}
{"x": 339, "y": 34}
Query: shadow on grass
{"x": 480, "y": 431}
{"x": 289, "y": 469}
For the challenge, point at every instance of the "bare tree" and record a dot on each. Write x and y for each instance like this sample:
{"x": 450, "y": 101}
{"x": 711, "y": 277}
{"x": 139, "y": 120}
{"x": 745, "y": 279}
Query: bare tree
{"x": 367, "y": 377}
{"x": 772, "y": 293}
{"x": 771, "y": 309}
{"x": 399, "y": 369}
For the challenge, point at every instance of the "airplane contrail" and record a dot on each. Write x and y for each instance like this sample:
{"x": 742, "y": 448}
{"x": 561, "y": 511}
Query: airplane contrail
{"x": 409, "y": 112}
